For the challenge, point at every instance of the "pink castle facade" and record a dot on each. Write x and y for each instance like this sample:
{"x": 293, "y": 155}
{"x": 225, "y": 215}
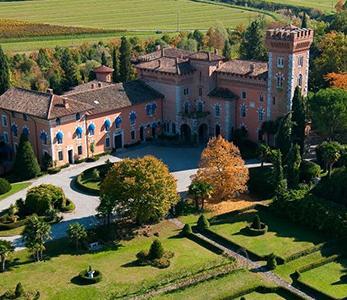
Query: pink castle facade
{"x": 192, "y": 95}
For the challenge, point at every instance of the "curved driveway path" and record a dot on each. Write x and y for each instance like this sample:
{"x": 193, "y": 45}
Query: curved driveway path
{"x": 182, "y": 163}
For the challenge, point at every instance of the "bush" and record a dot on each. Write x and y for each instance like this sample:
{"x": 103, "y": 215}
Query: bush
{"x": 161, "y": 263}
{"x": 309, "y": 171}
{"x": 156, "y": 251}
{"x": 53, "y": 170}
{"x": 187, "y": 230}
{"x": 203, "y": 223}
{"x": 97, "y": 277}
{"x": 271, "y": 262}
{"x": 95, "y": 175}
{"x": 5, "y": 186}
{"x": 261, "y": 182}
{"x": 19, "y": 291}
{"x": 256, "y": 224}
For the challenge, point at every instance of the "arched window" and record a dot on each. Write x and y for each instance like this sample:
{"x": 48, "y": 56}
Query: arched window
{"x": 14, "y": 129}
{"x": 79, "y": 132}
{"x": 107, "y": 124}
{"x": 300, "y": 80}
{"x": 26, "y": 131}
{"x": 150, "y": 109}
{"x": 118, "y": 121}
{"x": 132, "y": 117}
{"x": 91, "y": 129}
{"x": 217, "y": 110}
{"x": 243, "y": 110}
{"x": 59, "y": 136}
{"x": 43, "y": 138}
{"x": 57, "y": 121}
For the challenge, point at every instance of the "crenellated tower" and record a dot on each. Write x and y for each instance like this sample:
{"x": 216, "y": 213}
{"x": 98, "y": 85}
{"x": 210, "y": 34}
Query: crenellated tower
{"x": 288, "y": 67}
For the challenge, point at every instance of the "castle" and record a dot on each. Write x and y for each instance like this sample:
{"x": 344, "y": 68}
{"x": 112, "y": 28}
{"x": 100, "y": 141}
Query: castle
{"x": 194, "y": 95}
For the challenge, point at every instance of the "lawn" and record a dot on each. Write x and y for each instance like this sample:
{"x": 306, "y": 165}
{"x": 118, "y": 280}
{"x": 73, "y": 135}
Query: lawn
{"x": 324, "y": 5}
{"x": 53, "y": 277}
{"x": 128, "y": 15}
{"x": 259, "y": 296}
{"x": 15, "y": 187}
{"x": 283, "y": 238}
{"x": 219, "y": 288}
{"x": 330, "y": 278}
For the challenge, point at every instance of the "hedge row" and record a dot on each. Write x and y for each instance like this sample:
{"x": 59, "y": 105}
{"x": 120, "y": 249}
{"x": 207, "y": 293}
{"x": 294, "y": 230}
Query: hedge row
{"x": 84, "y": 188}
{"x": 301, "y": 254}
{"x": 317, "y": 264}
{"x": 195, "y": 238}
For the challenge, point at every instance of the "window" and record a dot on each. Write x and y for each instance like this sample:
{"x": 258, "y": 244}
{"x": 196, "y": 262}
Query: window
{"x": 79, "y": 150}
{"x": 280, "y": 62}
{"x": 261, "y": 113}
{"x": 132, "y": 117}
{"x": 59, "y": 137}
{"x": 91, "y": 129}
{"x": 243, "y": 110}
{"x": 186, "y": 91}
{"x": 4, "y": 120}
{"x": 13, "y": 114}
{"x": 151, "y": 108}
{"x": 217, "y": 110}
{"x": 43, "y": 138}
{"x": 57, "y": 121}
{"x": 261, "y": 98}
{"x": 279, "y": 81}
{"x": 300, "y": 80}
{"x": 273, "y": 100}
{"x": 79, "y": 132}
{"x": 25, "y": 117}
{"x": 200, "y": 107}
{"x": 301, "y": 61}
{"x": 243, "y": 95}
{"x": 6, "y": 140}
{"x": 174, "y": 128}
{"x": 78, "y": 116}
{"x": 60, "y": 155}
{"x": 14, "y": 130}
{"x": 133, "y": 134}
{"x": 118, "y": 121}
{"x": 200, "y": 92}
{"x": 107, "y": 142}
{"x": 186, "y": 107}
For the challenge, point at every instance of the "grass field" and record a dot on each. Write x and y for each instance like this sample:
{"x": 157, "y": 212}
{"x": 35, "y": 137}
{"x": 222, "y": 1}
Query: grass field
{"x": 54, "y": 277}
{"x": 259, "y": 296}
{"x": 220, "y": 288}
{"x": 330, "y": 279}
{"x": 283, "y": 238}
{"x": 15, "y": 187}
{"x": 324, "y": 5}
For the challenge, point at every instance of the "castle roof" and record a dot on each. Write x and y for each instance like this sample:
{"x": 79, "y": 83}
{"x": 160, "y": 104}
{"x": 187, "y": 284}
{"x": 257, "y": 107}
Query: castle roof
{"x": 42, "y": 105}
{"x": 168, "y": 65}
{"x": 103, "y": 69}
{"x": 245, "y": 68}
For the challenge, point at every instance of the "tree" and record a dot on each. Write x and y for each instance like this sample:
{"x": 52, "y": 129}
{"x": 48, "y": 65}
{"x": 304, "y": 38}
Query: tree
{"x": 141, "y": 189}
{"x": 200, "y": 191}
{"x": 77, "y": 233}
{"x": 271, "y": 262}
{"x": 43, "y": 60}
{"x": 293, "y": 166}
{"x": 223, "y": 168}
{"x": 256, "y": 224}
{"x": 216, "y": 36}
{"x": 284, "y": 135}
{"x": 227, "y": 50}
{"x": 4, "y": 73}
{"x": 156, "y": 250}
{"x": 35, "y": 234}
{"x": 330, "y": 153}
{"x": 252, "y": 46}
{"x": 339, "y": 6}
{"x": 304, "y": 21}
{"x": 199, "y": 37}
{"x": 278, "y": 177}
{"x": 92, "y": 148}
{"x": 71, "y": 74}
{"x": 6, "y": 248}
{"x": 115, "y": 73}
{"x": 269, "y": 128}
{"x": 19, "y": 291}
{"x": 329, "y": 111}
{"x": 187, "y": 230}
{"x": 203, "y": 223}
{"x": 337, "y": 80}
{"x": 298, "y": 119}
{"x": 106, "y": 208}
{"x": 125, "y": 69}
{"x": 25, "y": 165}
{"x": 104, "y": 59}
{"x": 263, "y": 153}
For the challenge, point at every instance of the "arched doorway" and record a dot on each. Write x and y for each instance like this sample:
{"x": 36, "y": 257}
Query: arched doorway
{"x": 203, "y": 133}
{"x": 217, "y": 132}
{"x": 186, "y": 133}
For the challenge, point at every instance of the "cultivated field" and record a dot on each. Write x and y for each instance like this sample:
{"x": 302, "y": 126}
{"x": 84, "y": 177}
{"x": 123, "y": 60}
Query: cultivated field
{"x": 325, "y": 5}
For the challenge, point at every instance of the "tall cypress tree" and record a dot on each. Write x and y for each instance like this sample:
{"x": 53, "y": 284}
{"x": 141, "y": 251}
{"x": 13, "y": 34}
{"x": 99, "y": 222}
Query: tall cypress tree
{"x": 115, "y": 74}
{"x": 304, "y": 21}
{"x": 25, "y": 165}
{"x": 125, "y": 71}
{"x": 71, "y": 74}
{"x": 252, "y": 46}
{"x": 104, "y": 59}
{"x": 298, "y": 119}
{"x": 4, "y": 73}
{"x": 293, "y": 166}
{"x": 284, "y": 136}
{"x": 227, "y": 50}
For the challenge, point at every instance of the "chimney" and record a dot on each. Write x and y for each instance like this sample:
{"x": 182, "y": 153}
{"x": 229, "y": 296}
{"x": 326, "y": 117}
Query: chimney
{"x": 65, "y": 103}
{"x": 162, "y": 51}
{"x": 209, "y": 56}
{"x": 50, "y": 91}
{"x": 92, "y": 86}
{"x": 252, "y": 67}
{"x": 177, "y": 67}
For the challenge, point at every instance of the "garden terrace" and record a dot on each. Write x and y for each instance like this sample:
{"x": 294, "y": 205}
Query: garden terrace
{"x": 121, "y": 275}
{"x": 284, "y": 239}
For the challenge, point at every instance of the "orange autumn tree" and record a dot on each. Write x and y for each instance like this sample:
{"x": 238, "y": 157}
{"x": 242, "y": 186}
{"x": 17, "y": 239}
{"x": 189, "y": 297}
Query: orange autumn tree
{"x": 338, "y": 80}
{"x": 221, "y": 166}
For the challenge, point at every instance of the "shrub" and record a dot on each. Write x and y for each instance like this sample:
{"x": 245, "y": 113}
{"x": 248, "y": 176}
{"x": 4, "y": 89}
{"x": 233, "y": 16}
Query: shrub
{"x": 261, "y": 182}
{"x": 46, "y": 162}
{"x": 309, "y": 171}
{"x": 257, "y": 227}
{"x": 156, "y": 251}
{"x": 52, "y": 171}
{"x": 142, "y": 257}
{"x": 19, "y": 291}
{"x": 187, "y": 230}
{"x": 97, "y": 276}
{"x": 271, "y": 262}
{"x": 256, "y": 224}
{"x": 5, "y": 186}
{"x": 203, "y": 223}
{"x": 95, "y": 175}
{"x": 161, "y": 263}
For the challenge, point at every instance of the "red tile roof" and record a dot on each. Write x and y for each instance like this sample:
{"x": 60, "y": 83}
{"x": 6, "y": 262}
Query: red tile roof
{"x": 103, "y": 69}
{"x": 244, "y": 68}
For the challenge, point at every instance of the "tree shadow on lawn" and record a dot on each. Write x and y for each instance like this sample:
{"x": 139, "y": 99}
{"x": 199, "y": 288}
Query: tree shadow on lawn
{"x": 343, "y": 278}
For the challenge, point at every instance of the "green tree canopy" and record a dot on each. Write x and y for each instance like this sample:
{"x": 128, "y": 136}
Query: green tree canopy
{"x": 227, "y": 50}
{"x": 125, "y": 68}
{"x": 284, "y": 135}
{"x": 77, "y": 233}
{"x": 115, "y": 65}
{"x": 141, "y": 189}
{"x": 329, "y": 111}
{"x": 71, "y": 75}
{"x": 6, "y": 248}
{"x": 298, "y": 119}
{"x": 293, "y": 166}
{"x": 330, "y": 152}
{"x": 4, "y": 73}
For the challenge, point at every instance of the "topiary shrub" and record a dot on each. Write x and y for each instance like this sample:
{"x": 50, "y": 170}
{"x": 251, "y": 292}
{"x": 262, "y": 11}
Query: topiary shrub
{"x": 87, "y": 279}
{"x": 257, "y": 227}
{"x": 261, "y": 182}
{"x": 271, "y": 262}
{"x": 256, "y": 223}
{"x": 203, "y": 223}
{"x": 187, "y": 230}
{"x": 309, "y": 171}
{"x": 5, "y": 186}
{"x": 156, "y": 251}
{"x": 19, "y": 291}
{"x": 156, "y": 256}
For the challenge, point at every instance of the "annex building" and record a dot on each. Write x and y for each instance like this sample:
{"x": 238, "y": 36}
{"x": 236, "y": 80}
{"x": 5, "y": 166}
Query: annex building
{"x": 194, "y": 95}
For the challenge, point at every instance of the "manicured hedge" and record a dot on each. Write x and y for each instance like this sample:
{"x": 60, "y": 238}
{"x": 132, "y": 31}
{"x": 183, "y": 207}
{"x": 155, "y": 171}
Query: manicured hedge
{"x": 5, "y": 186}
{"x": 254, "y": 232}
{"x": 84, "y": 188}
{"x": 83, "y": 276}
{"x": 195, "y": 238}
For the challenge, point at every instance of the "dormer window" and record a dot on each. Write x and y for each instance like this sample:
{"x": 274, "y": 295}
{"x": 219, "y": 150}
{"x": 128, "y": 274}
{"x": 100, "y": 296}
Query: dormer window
{"x": 57, "y": 121}
{"x": 280, "y": 62}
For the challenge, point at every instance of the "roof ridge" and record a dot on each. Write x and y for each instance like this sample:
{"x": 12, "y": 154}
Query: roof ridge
{"x": 92, "y": 89}
{"x": 50, "y": 106}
